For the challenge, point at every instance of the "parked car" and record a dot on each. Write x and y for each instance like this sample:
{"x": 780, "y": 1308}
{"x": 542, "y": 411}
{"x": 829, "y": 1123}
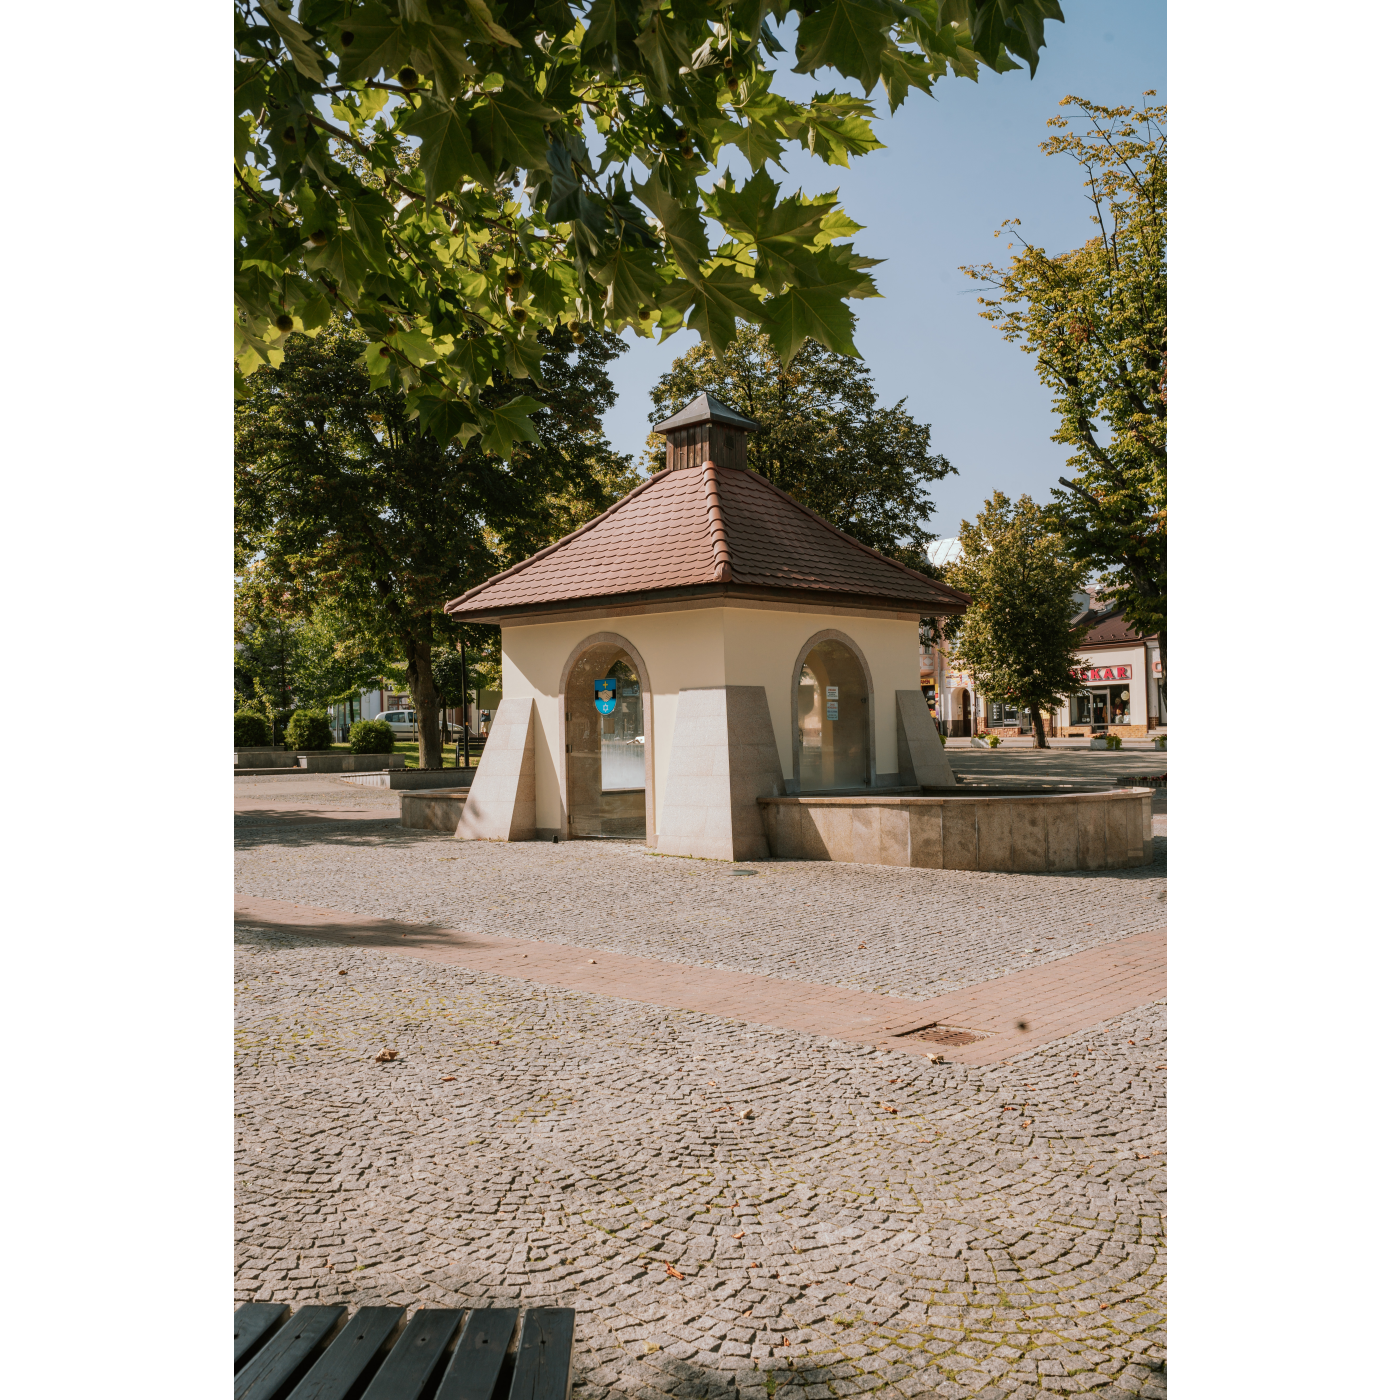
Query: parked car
{"x": 405, "y": 723}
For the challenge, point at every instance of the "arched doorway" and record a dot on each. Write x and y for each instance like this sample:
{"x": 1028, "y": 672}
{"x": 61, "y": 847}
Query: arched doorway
{"x": 831, "y": 719}
{"x": 605, "y": 738}
{"x": 960, "y": 726}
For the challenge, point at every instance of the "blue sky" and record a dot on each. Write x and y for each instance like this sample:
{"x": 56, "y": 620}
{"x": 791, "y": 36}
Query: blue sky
{"x": 954, "y": 168}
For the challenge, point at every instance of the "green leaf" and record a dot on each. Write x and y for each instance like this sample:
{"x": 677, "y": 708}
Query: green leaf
{"x": 602, "y": 27}
{"x": 722, "y": 296}
{"x": 631, "y": 279}
{"x": 834, "y": 124}
{"x": 685, "y": 230}
{"x": 900, "y": 71}
{"x": 776, "y": 231}
{"x": 367, "y": 225}
{"x": 503, "y": 427}
{"x": 376, "y": 363}
{"x": 379, "y": 47}
{"x": 521, "y": 358}
{"x": 249, "y": 87}
{"x": 755, "y": 144}
{"x": 296, "y": 39}
{"x": 416, "y": 348}
{"x": 483, "y": 16}
{"x": 443, "y": 418}
{"x": 818, "y": 312}
{"x": 511, "y": 125}
{"x": 447, "y": 153}
{"x": 848, "y": 35}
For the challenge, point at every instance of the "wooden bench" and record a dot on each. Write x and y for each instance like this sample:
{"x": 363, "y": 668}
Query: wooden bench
{"x": 320, "y": 1353}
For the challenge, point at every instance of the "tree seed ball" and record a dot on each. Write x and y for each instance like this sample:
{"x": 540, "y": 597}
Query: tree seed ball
{"x": 347, "y": 37}
{"x": 519, "y": 313}
{"x": 579, "y": 337}
{"x": 384, "y": 352}
{"x": 728, "y": 62}
{"x": 284, "y": 323}
{"x": 732, "y": 84}
{"x": 408, "y": 77}
{"x": 319, "y": 238}
{"x": 514, "y": 277}
{"x": 289, "y": 136}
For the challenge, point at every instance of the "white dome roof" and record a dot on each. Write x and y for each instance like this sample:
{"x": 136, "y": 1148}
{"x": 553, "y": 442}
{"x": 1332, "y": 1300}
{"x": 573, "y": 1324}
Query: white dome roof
{"x": 942, "y": 552}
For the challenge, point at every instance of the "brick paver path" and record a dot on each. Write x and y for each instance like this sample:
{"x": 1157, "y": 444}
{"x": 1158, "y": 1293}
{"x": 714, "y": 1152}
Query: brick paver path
{"x": 1016, "y": 1012}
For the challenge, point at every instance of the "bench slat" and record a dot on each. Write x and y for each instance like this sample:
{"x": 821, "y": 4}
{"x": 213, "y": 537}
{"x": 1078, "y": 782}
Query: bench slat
{"x": 251, "y": 1323}
{"x": 348, "y": 1357}
{"x": 417, "y": 1351}
{"x": 544, "y": 1358}
{"x": 265, "y": 1374}
{"x": 476, "y": 1364}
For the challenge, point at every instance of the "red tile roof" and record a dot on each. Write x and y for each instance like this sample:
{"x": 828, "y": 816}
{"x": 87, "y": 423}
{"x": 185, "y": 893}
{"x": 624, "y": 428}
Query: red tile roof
{"x": 1109, "y": 628}
{"x": 707, "y": 527}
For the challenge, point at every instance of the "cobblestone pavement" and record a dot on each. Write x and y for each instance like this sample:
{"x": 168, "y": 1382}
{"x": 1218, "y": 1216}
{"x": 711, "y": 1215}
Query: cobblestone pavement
{"x": 910, "y": 933}
{"x": 314, "y": 790}
{"x": 872, "y": 1227}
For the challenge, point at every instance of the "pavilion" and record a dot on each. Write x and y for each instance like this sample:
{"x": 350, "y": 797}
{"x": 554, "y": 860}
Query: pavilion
{"x": 704, "y": 642}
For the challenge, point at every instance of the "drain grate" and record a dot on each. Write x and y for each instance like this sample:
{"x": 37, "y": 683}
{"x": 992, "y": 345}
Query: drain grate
{"x": 938, "y": 1036}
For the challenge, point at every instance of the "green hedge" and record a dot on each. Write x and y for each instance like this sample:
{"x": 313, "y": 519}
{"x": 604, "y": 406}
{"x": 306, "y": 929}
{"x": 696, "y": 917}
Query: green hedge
{"x": 249, "y": 730}
{"x": 309, "y": 729}
{"x": 371, "y": 736}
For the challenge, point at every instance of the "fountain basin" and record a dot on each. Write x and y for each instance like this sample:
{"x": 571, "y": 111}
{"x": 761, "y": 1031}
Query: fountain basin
{"x": 968, "y": 828}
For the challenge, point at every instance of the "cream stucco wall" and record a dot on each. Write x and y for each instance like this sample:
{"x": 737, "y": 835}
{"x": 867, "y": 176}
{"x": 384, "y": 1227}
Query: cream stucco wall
{"x": 697, "y": 649}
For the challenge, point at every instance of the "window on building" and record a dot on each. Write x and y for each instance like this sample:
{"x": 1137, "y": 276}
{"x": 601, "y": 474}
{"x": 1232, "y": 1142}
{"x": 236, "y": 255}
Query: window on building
{"x": 1102, "y": 706}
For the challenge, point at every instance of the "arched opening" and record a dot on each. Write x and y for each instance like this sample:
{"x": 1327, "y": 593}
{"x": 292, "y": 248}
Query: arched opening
{"x": 960, "y": 723}
{"x": 831, "y": 720}
{"x": 605, "y": 737}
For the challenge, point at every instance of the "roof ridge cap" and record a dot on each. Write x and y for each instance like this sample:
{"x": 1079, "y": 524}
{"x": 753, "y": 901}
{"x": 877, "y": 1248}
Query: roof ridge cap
{"x": 714, "y": 521}
{"x": 558, "y": 544}
{"x": 955, "y": 593}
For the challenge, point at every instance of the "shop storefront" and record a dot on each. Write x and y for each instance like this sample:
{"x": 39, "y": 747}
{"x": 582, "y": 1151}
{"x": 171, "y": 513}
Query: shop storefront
{"x": 1122, "y": 688}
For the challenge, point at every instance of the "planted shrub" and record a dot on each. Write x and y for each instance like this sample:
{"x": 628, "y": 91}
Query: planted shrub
{"x": 371, "y": 736}
{"x": 249, "y": 730}
{"x": 1115, "y": 741}
{"x": 310, "y": 729}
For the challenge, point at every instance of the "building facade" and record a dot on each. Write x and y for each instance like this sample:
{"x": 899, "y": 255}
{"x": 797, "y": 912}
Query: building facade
{"x": 1124, "y": 690}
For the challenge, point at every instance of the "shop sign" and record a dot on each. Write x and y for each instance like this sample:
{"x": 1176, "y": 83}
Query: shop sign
{"x": 1103, "y": 673}
{"x": 605, "y": 695}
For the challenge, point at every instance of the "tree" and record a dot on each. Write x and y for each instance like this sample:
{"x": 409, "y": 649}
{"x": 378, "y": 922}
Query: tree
{"x": 822, "y": 437}
{"x": 380, "y": 149}
{"x": 284, "y": 662}
{"x": 1016, "y": 636}
{"x": 483, "y": 672}
{"x": 344, "y": 501}
{"x": 1096, "y": 321}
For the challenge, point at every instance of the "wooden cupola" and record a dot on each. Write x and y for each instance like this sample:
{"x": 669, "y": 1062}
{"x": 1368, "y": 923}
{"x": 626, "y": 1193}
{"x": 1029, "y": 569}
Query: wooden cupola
{"x": 706, "y": 430}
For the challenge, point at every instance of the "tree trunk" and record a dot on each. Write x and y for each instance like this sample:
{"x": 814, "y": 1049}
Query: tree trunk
{"x": 425, "y": 703}
{"x": 1038, "y": 722}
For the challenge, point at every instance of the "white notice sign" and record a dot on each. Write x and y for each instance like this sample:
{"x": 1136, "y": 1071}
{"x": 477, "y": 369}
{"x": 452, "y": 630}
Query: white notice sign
{"x": 833, "y": 692}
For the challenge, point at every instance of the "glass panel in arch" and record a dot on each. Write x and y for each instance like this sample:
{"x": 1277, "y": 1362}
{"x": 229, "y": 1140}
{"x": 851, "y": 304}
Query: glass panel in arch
{"x": 623, "y": 743}
{"x": 831, "y": 721}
